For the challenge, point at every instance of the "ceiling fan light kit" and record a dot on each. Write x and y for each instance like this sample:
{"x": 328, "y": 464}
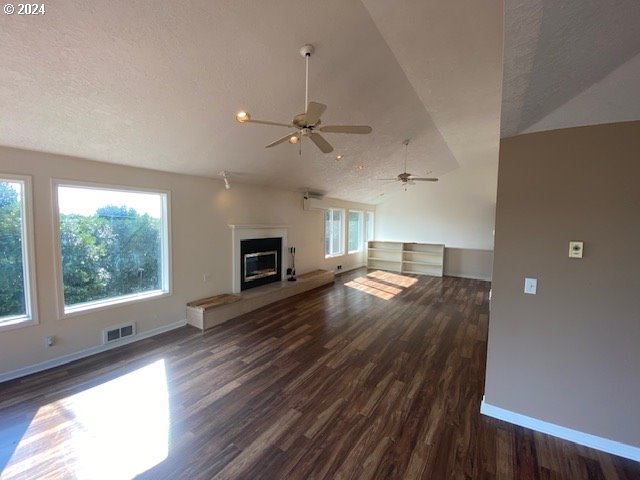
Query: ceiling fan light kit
{"x": 307, "y": 124}
{"x": 243, "y": 117}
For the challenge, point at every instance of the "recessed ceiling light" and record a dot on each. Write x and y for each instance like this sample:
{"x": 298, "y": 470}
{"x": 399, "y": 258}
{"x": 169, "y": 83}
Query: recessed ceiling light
{"x": 243, "y": 117}
{"x": 360, "y": 167}
{"x": 293, "y": 139}
{"x": 339, "y": 157}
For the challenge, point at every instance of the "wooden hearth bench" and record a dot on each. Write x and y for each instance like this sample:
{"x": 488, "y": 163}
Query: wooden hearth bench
{"x": 212, "y": 311}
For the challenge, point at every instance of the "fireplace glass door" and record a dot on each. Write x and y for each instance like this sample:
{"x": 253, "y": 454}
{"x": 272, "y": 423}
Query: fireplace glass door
{"x": 260, "y": 265}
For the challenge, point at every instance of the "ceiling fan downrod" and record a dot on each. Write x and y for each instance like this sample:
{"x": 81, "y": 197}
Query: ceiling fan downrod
{"x": 306, "y": 52}
{"x": 406, "y": 148}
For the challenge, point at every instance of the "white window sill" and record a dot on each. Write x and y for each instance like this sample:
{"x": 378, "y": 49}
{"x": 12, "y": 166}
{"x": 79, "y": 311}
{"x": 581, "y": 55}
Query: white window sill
{"x": 335, "y": 255}
{"x": 355, "y": 251}
{"x": 16, "y": 322}
{"x": 84, "y": 308}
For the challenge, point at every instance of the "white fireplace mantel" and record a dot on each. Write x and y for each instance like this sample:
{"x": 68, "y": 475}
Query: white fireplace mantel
{"x": 240, "y": 226}
{"x": 241, "y": 232}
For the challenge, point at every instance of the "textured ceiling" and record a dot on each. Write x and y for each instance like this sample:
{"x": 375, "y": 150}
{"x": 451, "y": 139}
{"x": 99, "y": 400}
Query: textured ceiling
{"x": 569, "y": 63}
{"x": 157, "y": 84}
{"x": 451, "y": 53}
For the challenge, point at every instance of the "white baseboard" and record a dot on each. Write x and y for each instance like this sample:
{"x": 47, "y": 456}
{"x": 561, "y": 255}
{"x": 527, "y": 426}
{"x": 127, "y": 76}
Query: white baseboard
{"x": 466, "y": 275}
{"x": 586, "y": 439}
{"x": 56, "y": 362}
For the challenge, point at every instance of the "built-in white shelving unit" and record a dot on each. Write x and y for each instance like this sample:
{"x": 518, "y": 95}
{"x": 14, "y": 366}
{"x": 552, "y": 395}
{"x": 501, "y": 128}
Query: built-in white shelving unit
{"x": 404, "y": 257}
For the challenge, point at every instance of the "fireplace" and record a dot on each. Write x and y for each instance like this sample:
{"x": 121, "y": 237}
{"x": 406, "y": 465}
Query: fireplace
{"x": 261, "y": 262}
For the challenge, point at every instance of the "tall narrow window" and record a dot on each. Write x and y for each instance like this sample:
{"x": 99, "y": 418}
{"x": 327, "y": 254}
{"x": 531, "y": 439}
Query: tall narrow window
{"x": 355, "y": 231}
{"x": 369, "y": 222}
{"x": 113, "y": 245}
{"x": 333, "y": 245}
{"x": 17, "y": 279}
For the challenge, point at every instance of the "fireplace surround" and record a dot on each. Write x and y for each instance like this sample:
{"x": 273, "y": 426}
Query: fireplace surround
{"x": 240, "y": 232}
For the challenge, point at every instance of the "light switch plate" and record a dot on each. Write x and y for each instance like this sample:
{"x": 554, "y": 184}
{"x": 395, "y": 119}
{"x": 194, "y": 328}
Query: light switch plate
{"x": 576, "y": 249}
{"x": 530, "y": 286}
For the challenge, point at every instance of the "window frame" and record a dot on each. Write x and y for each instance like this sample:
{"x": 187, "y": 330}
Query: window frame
{"x": 366, "y": 228}
{"x": 114, "y": 302}
{"x": 342, "y": 233}
{"x": 360, "y": 232}
{"x": 28, "y": 257}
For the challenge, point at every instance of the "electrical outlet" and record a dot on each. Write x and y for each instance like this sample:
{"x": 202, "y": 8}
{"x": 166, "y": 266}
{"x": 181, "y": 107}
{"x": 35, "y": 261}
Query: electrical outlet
{"x": 339, "y": 267}
{"x": 49, "y": 340}
{"x": 206, "y": 277}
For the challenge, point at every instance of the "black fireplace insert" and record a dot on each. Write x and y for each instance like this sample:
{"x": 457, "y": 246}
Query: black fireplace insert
{"x": 261, "y": 262}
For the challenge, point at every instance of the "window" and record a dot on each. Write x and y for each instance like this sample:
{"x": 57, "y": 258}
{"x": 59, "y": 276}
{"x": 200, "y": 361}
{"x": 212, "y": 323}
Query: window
{"x": 369, "y": 226}
{"x": 17, "y": 272}
{"x": 355, "y": 231}
{"x": 333, "y": 233}
{"x": 113, "y": 245}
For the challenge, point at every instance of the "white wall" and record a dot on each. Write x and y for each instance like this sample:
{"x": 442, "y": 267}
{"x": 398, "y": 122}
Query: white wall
{"x": 458, "y": 211}
{"x": 201, "y": 209}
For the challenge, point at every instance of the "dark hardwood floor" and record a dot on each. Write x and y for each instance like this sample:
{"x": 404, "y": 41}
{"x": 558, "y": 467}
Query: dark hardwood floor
{"x": 380, "y": 376}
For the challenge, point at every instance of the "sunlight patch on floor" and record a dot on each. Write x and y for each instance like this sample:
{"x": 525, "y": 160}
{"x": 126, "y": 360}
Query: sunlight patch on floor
{"x": 113, "y": 431}
{"x": 370, "y": 290}
{"x": 388, "y": 285}
{"x": 393, "y": 278}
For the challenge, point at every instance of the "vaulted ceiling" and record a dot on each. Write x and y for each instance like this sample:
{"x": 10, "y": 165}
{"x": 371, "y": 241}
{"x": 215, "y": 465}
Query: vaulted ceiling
{"x": 570, "y": 63}
{"x": 157, "y": 84}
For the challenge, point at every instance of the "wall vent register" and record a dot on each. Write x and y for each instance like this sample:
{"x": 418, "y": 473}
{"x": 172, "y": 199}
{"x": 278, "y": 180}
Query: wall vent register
{"x": 116, "y": 333}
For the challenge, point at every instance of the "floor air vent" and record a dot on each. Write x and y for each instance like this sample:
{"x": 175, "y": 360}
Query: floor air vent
{"x": 114, "y": 334}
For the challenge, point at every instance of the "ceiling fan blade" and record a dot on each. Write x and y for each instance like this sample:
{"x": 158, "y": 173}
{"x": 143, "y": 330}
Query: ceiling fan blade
{"x": 264, "y": 122}
{"x": 321, "y": 143}
{"x": 312, "y": 115}
{"x": 362, "y": 129}
{"x": 281, "y": 140}
{"x": 424, "y": 179}
{"x": 389, "y": 179}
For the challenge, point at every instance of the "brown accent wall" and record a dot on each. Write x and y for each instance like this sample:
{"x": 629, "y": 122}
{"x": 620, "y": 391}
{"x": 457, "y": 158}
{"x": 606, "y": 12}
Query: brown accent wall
{"x": 569, "y": 355}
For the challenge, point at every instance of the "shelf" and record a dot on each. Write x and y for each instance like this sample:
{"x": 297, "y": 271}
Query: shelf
{"x": 421, "y": 273}
{"x": 423, "y": 263}
{"x": 420, "y": 252}
{"x": 421, "y": 245}
{"x": 420, "y": 258}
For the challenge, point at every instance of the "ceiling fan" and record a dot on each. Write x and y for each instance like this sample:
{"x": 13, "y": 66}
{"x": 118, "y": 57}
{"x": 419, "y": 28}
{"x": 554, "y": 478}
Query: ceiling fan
{"x": 307, "y": 124}
{"x": 407, "y": 178}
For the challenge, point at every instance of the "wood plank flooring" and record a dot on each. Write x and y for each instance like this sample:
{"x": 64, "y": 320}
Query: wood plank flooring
{"x": 377, "y": 377}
